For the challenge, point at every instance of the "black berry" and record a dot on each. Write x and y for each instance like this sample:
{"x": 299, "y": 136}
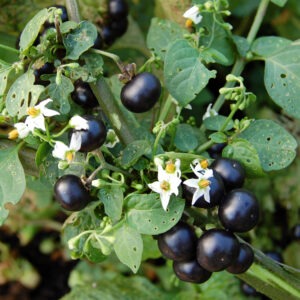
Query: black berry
{"x": 190, "y": 271}
{"x": 274, "y": 255}
{"x": 70, "y": 192}
{"x": 239, "y": 211}
{"x": 231, "y": 171}
{"x": 47, "y": 68}
{"x": 296, "y": 232}
{"x": 83, "y": 95}
{"x": 243, "y": 262}
{"x": 178, "y": 243}
{"x": 217, "y": 249}
{"x": 94, "y": 136}
{"x": 141, "y": 93}
{"x": 118, "y": 9}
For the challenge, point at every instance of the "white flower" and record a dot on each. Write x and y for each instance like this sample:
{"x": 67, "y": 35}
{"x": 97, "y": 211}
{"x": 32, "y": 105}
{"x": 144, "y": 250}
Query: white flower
{"x": 200, "y": 165}
{"x": 210, "y": 112}
{"x": 166, "y": 185}
{"x": 201, "y": 184}
{"x": 21, "y": 131}
{"x": 112, "y": 138}
{"x": 37, "y": 114}
{"x": 193, "y": 14}
{"x": 65, "y": 153}
{"x": 79, "y": 123}
{"x": 173, "y": 169}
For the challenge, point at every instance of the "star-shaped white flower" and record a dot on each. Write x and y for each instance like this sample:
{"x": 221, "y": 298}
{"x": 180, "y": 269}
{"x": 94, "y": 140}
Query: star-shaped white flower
{"x": 201, "y": 184}
{"x": 79, "y": 123}
{"x": 210, "y": 112}
{"x": 193, "y": 14}
{"x": 37, "y": 114}
{"x": 166, "y": 185}
{"x": 21, "y": 131}
{"x": 67, "y": 153}
{"x": 173, "y": 169}
{"x": 199, "y": 165}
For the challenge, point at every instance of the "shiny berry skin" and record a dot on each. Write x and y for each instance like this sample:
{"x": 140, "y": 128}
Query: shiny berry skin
{"x": 239, "y": 211}
{"x": 231, "y": 171}
{"x": 190, "y": 271}
{"x": 70, "y": 192}
{"x": 216, "y": 193}
{"x": 248, "y": 290}
{"x": 217, "y": 249}
{"x": 274, "y": 255}
{"x": 47, "y": 68}
{"x": 119, "y": 27}
{"x": 117, "y": 9}
{"x": 244, "y": 260}
{"x": 94, "y": 137}
{"x": 141, "y": 93}
{"x": 108, "y": 35}
{"x": 178, "y": 243}
{"x": 215, "y": 150}
{"x": 296, "y": 232}
{"x": 98, "y": 43}
{"x": 83, "y": 95}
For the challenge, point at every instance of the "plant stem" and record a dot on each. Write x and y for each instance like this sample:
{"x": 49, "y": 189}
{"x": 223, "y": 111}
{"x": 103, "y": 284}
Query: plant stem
{"x": 240, "y": 63}
{"x": 123, "y": 125}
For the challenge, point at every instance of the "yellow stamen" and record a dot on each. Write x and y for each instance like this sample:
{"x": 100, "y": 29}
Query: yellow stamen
{"x": 204, "y": 163}
{"x": 69, "y": 156}
{"x": 165, "y": 185}
{"x": 189, "y": 23}
{"x": 203, "y": 183}
{"x": 33, "y": 112}
{"x": 14, "y": 134}
{"x": 170, "y": 167}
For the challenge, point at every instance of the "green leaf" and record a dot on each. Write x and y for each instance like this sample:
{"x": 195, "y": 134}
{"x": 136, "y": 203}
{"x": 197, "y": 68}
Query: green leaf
{"x": 280, "y": 3}
{"x": 134, "y": 151}
{"x": 218, "y": 137}
{"x": 244, "y": 152}
{"x": 94, "y": 63}
{"x": 23, "y": 94}
{"x": 112, "y": 198}
{"x": 145, "y": 213}
{"x": 129, "y": 247}
{"x": 276, "y": 147}
{"x": 185, "y": 75}
{"x": 161, "y": 33}
{"x": 67, "y": 26}
{"x": 282, "y": 78}
{"x": 216, "y": 123}
{"x": 12, "y": 180}
{"x": 151, "y": 249}
{"x": 242, "y": 45}
{"x": 41, "y": 153}
{"x": 59, "y": 93}
{"x": 80, "y": 40}
{"x": 32, "y": 29}
{"x": 185, "y": 138}
{"x": 7, "y": 74}
{"x": 267, "y": 46}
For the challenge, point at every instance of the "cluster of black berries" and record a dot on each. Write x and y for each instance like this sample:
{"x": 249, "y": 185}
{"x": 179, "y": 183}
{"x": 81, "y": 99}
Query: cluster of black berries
{"x": 217, "y": 249}
{"x": 114, "y": 25}
{"x": 69, "y": 190}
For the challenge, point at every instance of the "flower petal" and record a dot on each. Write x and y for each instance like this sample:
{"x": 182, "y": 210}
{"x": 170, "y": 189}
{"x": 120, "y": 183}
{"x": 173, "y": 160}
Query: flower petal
{"x": 60, "y": 150}
{"x": 155, "y": 187}
{"x": 165, "y": 198}
{"x": 79, "y": 123}
{"x": 192, "y": 182}
{"x": 22, "y": 129}
{"x": 76, "y": 140}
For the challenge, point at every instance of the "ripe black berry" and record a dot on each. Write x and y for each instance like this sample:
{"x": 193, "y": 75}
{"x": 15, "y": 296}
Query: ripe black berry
{"x": 70, "y": 192}
{"x": 248, "y": 290}
{"x": 178, "y": 243}
{"x": 231, "y": 171}
{"x": 98, "y": 43}
{"x": 118, "y": 9}
{"x": 243, "y": 261}
{"x": 239, "y": 211}
{"x": 119, "y": 27}
{"x": 215, "y": 150}
{"x": 216, "y": 193}
{"x": 94, "y": 137}
{"x": 141, "y": 93}
{"x": 47, "y": 68}
{"x": 108, "y": 35}
{"x": 190, "y": 271}
{"x": 83, "y": 95}
{"x": 274, "y": 255}
{"x": 217, "y": 249}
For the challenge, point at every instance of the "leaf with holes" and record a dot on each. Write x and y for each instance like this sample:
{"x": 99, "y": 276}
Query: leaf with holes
{"x": 276, "y": 148}
{"x": 12, "y": 180}
{"x": 7, "y": 75}
{"x": 23, "y": 94}
{"x": 129, "y": 247}
{"x": 280, "y": 3}
{"x": 32, "y": 29}
{"x": 243, "y": 151}
{"x": 268, "y": 45}
{"x": 80, "y": 39}
{"x": 161, "y": 33}
{"x": 185, "y": 75}
{"x": 60, "y": 93}
{"x": 112, "y": 198}
{"x": 282, "y": 78}
{"x": 145, "y": 213}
